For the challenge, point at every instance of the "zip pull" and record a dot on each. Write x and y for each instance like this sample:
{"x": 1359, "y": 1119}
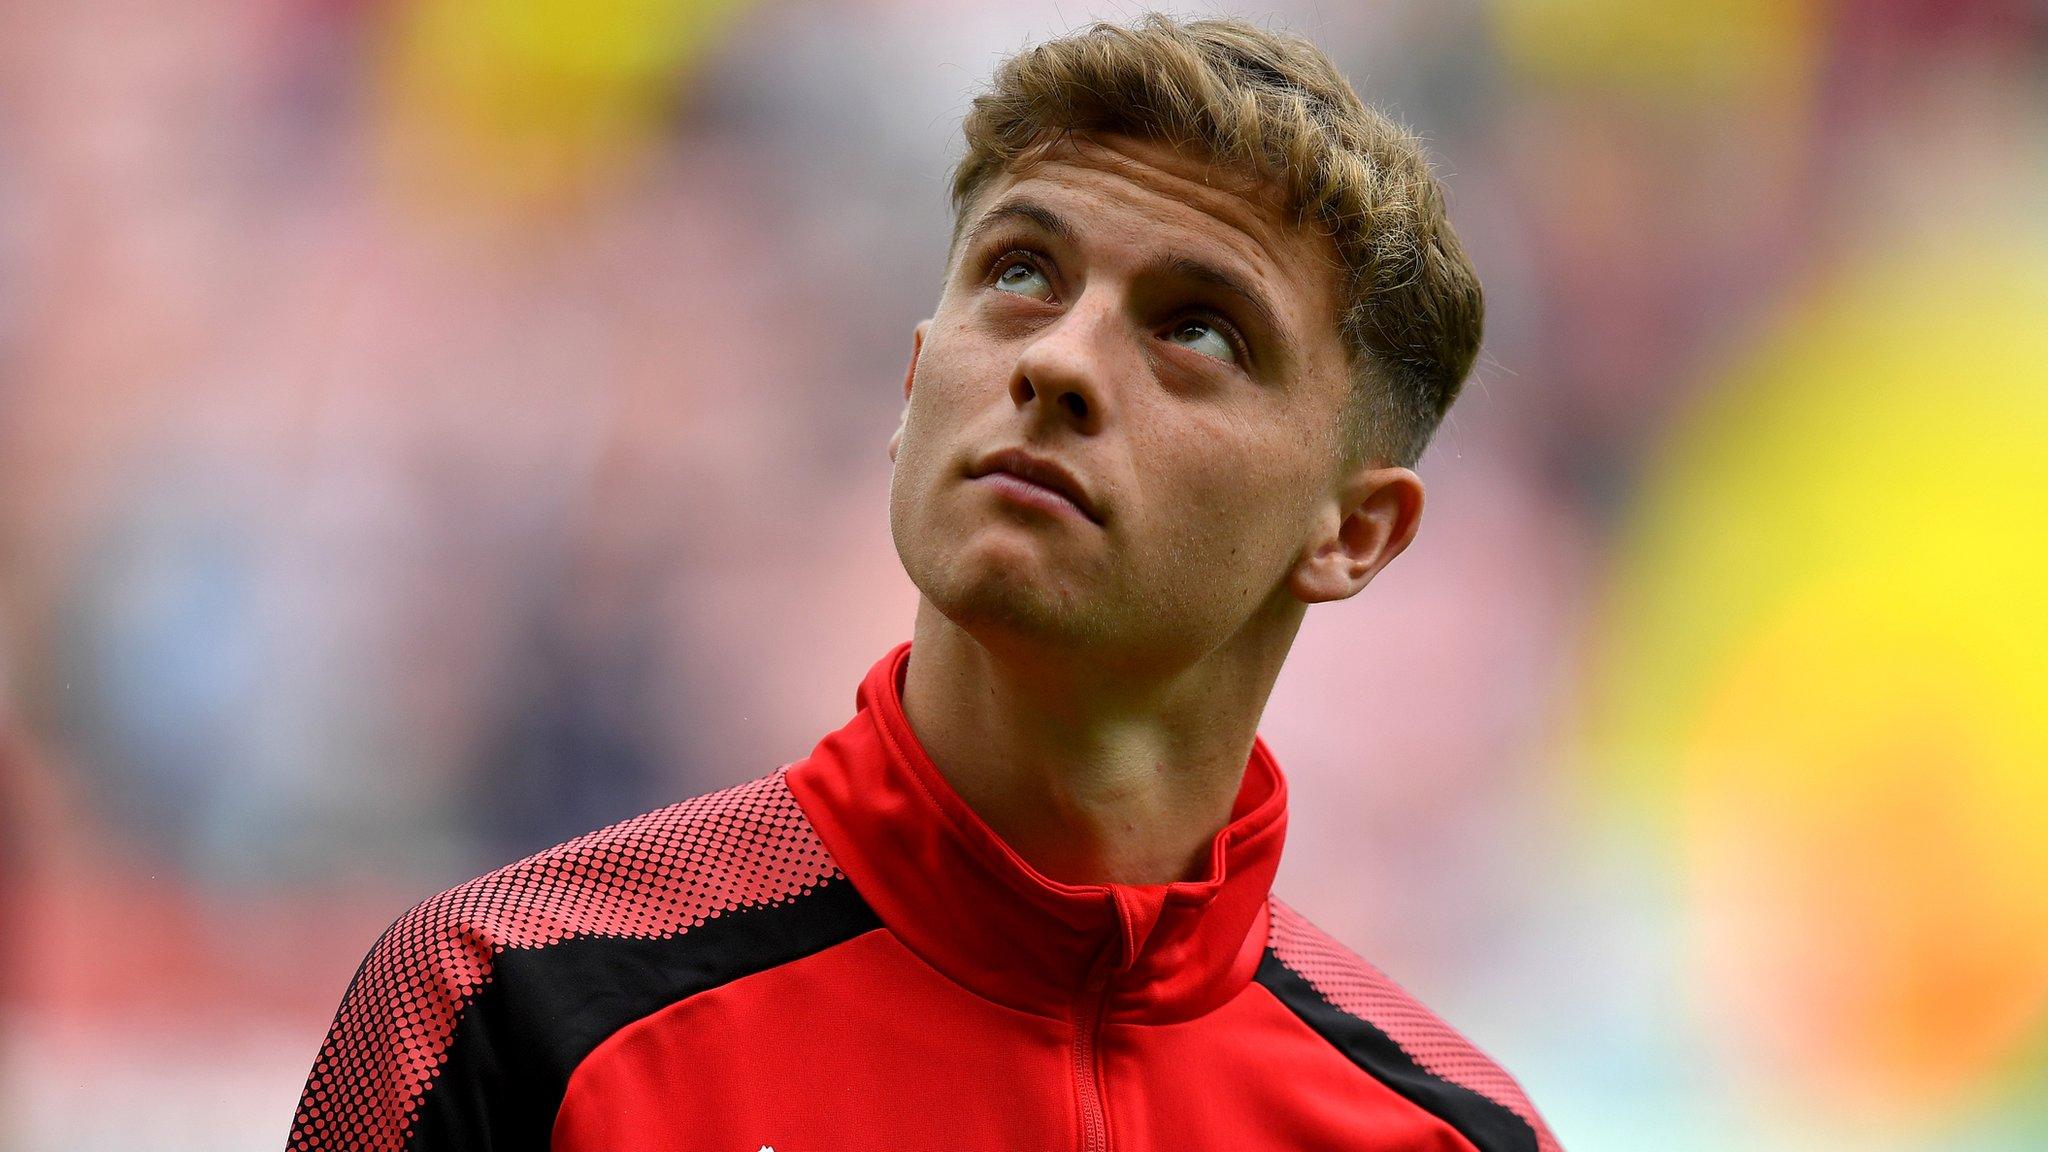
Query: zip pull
{"x": 1096, "y": 978}
{"x": 1138, "y": 911}
{"x": 1104, "y": 964}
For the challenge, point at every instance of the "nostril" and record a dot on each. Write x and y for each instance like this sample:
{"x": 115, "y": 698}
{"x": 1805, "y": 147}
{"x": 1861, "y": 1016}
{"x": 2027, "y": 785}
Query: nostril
{"x": 1073, "y": 402}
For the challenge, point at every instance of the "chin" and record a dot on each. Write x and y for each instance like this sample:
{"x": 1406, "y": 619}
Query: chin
{"x": 1002, "y": 594}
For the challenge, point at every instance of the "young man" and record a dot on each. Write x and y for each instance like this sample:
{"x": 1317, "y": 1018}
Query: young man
{"x": 1202, "y": 311}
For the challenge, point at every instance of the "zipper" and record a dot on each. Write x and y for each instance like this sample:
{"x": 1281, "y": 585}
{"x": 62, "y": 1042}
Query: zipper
{"x": 1087, "y": 1058}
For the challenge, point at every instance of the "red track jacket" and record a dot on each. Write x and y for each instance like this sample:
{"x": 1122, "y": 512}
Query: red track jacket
{"x": 842, "y": 957}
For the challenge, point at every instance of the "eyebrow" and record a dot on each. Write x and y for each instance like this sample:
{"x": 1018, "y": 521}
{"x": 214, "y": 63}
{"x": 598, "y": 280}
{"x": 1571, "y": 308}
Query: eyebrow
{"x": 1029, "y": 211}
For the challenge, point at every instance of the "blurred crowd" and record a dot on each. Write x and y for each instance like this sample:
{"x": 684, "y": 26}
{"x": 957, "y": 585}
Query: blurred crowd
{"x": 430, "y": 429}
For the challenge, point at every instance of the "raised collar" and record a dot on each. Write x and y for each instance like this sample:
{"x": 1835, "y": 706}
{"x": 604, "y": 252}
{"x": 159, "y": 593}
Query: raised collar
{"x": 965, "y": 902}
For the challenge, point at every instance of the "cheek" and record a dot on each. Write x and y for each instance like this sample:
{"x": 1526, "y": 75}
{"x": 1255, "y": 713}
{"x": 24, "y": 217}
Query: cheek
{"x": 924, "y": 425}
{"x": 1232, "y": 505}
{"x": 936, "y": 436}
{"x": 939, "y": 398}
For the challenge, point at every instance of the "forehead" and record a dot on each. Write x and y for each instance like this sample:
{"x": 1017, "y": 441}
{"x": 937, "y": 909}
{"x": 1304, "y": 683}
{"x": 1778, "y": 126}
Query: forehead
{"x": 1120, "y": 192}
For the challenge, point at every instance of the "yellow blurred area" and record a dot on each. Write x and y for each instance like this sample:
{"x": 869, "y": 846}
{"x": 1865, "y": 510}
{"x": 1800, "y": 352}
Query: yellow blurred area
{"x": 1826, "y": 670}
{"x": 1754, "y": 48}
{"x": 535, "y": 102}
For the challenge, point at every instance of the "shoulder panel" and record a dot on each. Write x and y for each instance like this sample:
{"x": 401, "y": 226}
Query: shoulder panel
{"x": 428, "y": 1038}
{"x": 1392, "y": 1036}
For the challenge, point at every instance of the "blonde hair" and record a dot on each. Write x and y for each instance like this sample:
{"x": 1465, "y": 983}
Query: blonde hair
{"x": 1272, "y": 107}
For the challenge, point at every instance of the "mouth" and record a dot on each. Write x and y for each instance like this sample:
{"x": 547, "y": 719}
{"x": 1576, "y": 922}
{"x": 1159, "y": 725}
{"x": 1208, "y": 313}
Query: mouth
{"x": 1018, "y": 490}
{"x": 1035, "y": 482}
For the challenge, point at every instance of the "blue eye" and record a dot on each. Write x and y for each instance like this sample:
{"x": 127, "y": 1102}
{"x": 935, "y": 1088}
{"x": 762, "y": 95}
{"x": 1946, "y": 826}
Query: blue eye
{"x": 1205, "y": 338}
{"x": 1024, "y": 279}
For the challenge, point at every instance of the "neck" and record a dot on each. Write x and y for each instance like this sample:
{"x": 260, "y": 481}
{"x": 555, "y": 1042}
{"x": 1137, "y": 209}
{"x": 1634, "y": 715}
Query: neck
{"x": 1093, "y": 778}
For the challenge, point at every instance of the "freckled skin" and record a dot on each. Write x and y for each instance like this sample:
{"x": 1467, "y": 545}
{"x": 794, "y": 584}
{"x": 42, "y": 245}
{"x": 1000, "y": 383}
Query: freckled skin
{"x": 1214, "y": 481}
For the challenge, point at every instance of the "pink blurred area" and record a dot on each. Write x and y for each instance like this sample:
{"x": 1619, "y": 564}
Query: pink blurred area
{"x": 421, "y": 442}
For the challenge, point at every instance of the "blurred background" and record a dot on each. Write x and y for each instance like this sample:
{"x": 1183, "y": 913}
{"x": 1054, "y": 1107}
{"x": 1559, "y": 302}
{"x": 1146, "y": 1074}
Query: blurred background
{"x": 430, "y": 429}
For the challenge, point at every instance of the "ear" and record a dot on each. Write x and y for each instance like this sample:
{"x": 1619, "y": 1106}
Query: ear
{"x": 909, "y": 377}
{"x": 1375, "y": 515}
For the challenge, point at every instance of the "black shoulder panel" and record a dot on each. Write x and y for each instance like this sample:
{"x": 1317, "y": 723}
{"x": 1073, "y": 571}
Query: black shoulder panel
{"x": 545, "y": 1009}
{"x": 462, "y": 1026}
{"x": 1489, "y": 1125}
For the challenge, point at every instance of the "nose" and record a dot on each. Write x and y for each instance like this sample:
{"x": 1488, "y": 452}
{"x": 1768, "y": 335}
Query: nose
{"x": 1061, "y": 374}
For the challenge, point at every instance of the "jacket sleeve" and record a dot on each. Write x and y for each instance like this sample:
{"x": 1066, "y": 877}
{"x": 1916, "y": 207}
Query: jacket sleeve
{"x": 460, "y": 1030}
{"x": 377, "y": 1082}
{"x": 1393, "y": 1037}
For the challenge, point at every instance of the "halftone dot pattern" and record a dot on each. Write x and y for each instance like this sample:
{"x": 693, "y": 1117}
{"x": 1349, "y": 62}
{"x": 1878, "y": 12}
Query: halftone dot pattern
{"x": 654, "y": 876}
{"x": 1354, "y": 986}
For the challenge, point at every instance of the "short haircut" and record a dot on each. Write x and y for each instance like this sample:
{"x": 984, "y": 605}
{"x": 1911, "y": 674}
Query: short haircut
{"x": 1271, "y": 107}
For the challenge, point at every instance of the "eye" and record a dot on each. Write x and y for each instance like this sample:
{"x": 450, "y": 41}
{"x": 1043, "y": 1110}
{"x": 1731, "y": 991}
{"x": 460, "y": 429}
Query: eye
{"x": 1204, "y": 337}
{"x": 1024, "y": 278}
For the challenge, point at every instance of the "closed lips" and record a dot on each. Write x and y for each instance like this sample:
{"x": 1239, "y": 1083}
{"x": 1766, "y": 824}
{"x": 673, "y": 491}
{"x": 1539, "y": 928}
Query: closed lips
{"x": 1043, "y": 473}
